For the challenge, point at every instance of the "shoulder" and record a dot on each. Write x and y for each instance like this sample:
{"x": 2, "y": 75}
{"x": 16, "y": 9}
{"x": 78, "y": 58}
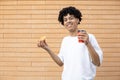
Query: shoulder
{"x": 64, "y": 41}
{"x": 65, "y": 38}
{"x": 91, "y": 36}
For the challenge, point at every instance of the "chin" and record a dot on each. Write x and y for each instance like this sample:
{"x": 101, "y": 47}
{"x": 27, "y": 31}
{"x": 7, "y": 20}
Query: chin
{"x": 71, "y": 30}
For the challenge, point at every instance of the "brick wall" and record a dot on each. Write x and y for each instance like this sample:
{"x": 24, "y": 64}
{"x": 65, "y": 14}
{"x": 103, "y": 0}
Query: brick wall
{"x": 22, "y": 22}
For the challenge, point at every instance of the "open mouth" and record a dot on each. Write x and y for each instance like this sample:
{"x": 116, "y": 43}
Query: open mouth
{"x": 69, "y": 25}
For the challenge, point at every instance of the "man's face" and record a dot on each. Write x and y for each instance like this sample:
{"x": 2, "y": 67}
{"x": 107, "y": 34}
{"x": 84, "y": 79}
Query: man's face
{"x": 70, "y": 22}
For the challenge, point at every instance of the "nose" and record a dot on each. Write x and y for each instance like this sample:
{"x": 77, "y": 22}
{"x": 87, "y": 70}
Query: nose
{"x": 68, "y": 20}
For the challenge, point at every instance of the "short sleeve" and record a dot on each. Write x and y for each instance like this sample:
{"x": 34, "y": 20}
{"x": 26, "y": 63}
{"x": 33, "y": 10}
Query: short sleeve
{"x": 61, "y": 53}
{"x": 96, "y": 46}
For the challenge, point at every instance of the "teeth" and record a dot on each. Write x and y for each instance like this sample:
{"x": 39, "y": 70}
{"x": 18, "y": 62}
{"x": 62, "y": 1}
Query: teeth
{"x": 69, "y": 24}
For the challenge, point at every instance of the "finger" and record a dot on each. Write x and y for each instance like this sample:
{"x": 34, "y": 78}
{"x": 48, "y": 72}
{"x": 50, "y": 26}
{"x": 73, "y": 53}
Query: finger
{"x": 79, "y": 37}
{"x": 41, "y": 43}
{"x": 86, "y": 38}
{"x": 38, "y": 45}
{"x": 45, "y": 42}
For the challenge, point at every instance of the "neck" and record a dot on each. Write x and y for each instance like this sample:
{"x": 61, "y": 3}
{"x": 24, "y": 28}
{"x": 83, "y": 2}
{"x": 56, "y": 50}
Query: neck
{"x": 73, "y": 33}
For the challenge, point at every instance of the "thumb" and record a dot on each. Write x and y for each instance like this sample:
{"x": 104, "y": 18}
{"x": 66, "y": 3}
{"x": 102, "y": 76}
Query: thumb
{"x": 45, "y": 42}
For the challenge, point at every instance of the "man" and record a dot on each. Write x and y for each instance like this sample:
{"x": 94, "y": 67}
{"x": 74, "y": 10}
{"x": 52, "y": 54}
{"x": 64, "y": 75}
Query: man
{"x": 79, "y": 58}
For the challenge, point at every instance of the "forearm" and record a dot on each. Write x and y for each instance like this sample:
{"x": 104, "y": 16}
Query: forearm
{"x": 93, "y": 54}
{"x": 55, "y": 57}
{"x": 44, "y": 45}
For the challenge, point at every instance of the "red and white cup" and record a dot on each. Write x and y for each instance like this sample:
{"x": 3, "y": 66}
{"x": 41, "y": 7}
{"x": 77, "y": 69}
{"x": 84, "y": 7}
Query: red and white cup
{"x": 79, "y": 35}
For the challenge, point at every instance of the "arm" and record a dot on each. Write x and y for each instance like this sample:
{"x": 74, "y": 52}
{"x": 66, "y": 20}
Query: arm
{"x": 93, "y": 53}
{"x": 44, "y": 45}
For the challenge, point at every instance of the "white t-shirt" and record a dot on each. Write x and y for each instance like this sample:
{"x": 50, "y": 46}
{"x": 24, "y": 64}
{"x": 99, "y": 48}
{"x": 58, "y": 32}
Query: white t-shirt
{"x": 76, "y": 58}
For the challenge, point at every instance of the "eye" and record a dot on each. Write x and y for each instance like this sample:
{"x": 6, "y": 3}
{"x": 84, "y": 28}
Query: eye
{"x": 64, "y": 19}
{"x": 71, "y": 18}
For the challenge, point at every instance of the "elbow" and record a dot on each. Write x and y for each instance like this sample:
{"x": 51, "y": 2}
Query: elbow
{"x": 61, "y": 64}
{"x": 97, "y": 64}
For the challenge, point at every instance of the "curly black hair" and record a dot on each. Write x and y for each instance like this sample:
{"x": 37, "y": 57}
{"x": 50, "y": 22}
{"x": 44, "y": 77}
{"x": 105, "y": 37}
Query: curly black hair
{"x": 69, "y": 10}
